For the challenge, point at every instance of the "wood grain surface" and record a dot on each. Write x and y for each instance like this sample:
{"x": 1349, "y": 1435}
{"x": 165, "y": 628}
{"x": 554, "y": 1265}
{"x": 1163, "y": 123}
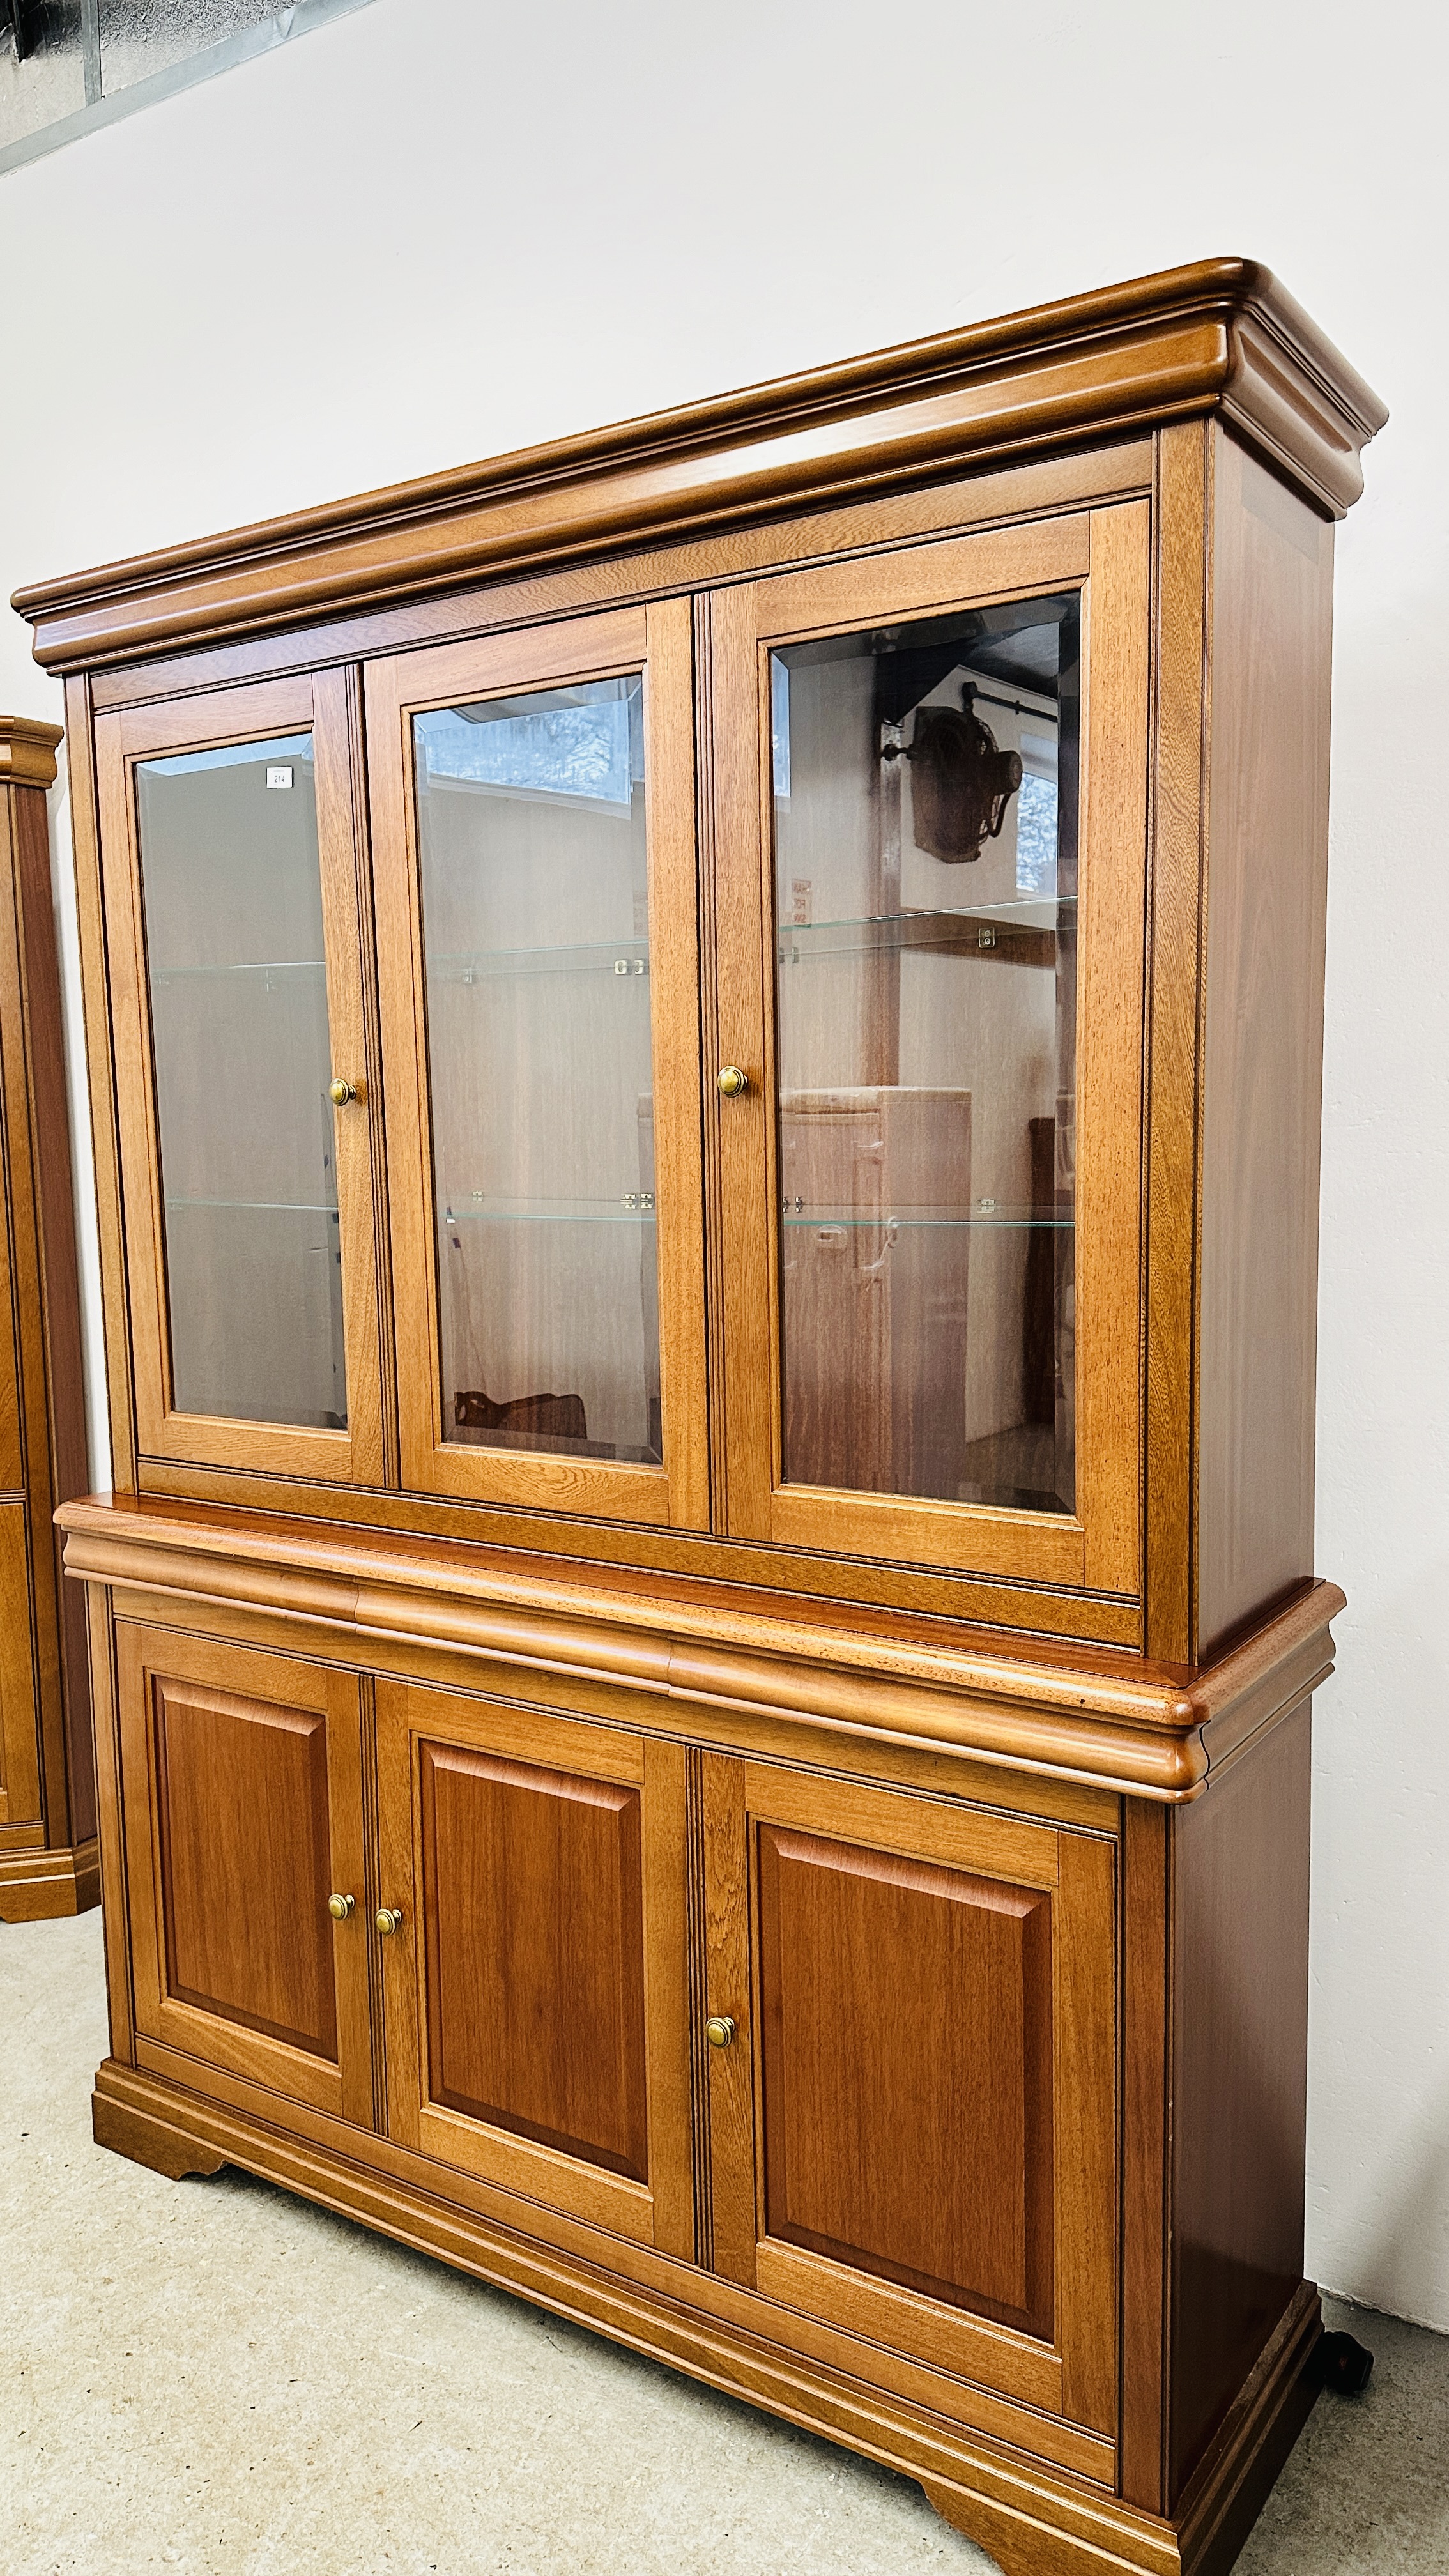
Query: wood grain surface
{"x": 47, "y": 1780}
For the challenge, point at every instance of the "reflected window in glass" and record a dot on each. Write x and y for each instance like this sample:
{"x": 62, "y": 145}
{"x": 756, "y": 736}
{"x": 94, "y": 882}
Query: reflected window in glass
{"x": 533, "y": 860}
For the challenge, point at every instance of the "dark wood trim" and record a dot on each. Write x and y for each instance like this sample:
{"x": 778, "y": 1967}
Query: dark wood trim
{"x": 1220, "y": 336}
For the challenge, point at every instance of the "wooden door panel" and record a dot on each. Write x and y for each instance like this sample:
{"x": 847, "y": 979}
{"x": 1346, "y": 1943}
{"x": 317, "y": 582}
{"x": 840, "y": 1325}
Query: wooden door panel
{"x": 537, "y": 1988}
{"x": 930, "y": 2059}
{"x": 247, "y": 1770}
{"x": 908, "y": 2125}
{"x": 535, "y": 1953}
{"x": 244, "y": 1833}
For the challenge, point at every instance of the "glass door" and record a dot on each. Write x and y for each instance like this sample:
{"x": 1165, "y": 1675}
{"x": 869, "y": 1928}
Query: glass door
{"x": 232, "y": 909}
{"x": 533, "y": 827}
{"x": 933, "y": 766}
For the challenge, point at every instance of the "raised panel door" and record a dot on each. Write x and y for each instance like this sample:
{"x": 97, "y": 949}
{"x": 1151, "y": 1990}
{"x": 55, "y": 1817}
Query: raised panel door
{"x": 536, "y": 1971}
{"x": 242, "y": 1775}
{"x": 920, "y": 2086}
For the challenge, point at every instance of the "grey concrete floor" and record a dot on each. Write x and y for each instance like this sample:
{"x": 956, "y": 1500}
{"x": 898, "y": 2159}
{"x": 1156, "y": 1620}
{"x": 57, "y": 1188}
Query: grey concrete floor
{"x": 211, "y": 2376}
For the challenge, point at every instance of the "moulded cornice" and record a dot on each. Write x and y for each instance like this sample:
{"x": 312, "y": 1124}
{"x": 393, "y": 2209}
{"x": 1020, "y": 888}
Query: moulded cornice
{"x": 1147, "y": 1731}
{"x": 1221, "y": 336}
{"x": 27, "y": 751}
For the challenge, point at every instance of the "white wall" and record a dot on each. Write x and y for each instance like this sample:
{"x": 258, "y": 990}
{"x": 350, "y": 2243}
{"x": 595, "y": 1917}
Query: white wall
{"x": 440, "y": 228}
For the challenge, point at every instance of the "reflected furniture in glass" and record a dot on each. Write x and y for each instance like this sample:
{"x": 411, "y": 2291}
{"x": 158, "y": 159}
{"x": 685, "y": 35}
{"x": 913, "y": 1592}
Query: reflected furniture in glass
{"x": 705, "y": 1070}
{"x": 49, "y": 1859}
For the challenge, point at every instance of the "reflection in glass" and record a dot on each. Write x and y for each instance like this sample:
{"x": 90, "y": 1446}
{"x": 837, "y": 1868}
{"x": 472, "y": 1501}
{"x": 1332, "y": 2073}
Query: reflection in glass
{"x": 233, "y": 901}
{"x": 925, "y": 910}
{"x": 536, "y": 935}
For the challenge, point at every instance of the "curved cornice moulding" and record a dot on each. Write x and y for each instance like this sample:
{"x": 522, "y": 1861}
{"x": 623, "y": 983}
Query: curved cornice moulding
{"x": 27, "y": 752}
{"x": 1219, "y": 337}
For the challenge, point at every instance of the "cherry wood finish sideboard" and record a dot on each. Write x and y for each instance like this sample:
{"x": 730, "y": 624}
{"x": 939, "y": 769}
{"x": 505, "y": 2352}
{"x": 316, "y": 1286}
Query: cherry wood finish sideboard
{"x": 705, "y": 1060}
{"x": 49, "y": 1858}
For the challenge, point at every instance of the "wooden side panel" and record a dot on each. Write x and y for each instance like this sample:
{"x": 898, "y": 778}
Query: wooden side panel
{"x": 1145, "y": 2032}
{"x": 1240, "y": 2073}
{"x": 908, "y": 2005}
{"x": 115, "y": 1893}
{"x": 1179, "y": 612}
{"x": 19, "y": 1741}
{"x": 57, "y": 1386}
{"x": 535, "y": 1953}
{"x": 1272, "y": 610}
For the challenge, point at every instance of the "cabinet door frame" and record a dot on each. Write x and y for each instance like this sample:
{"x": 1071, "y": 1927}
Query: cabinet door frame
{"x": 657, "y": 640}
{"x": 315, "y": 703}
{"x": 1105, "y": 553}
{"x": 148, "y": 1656}
{"x": 659, "y": 2212}
{"x": 1074, "y": 2373}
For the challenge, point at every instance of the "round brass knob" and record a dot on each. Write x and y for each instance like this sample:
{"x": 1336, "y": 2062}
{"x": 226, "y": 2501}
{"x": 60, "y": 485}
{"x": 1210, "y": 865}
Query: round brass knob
{"x": 732, "y": 1080}
{"x": 389, "y": 1918}
{"x": 339, "y": 1907}
{"x": 340, "y": 1092}
{"x": 719, "y": 2030}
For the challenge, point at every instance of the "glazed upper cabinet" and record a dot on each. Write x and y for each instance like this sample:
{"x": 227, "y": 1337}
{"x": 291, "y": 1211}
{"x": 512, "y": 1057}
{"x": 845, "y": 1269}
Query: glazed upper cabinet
{"x": 899, "y": 1114}
{"x": 718, "y": 1043}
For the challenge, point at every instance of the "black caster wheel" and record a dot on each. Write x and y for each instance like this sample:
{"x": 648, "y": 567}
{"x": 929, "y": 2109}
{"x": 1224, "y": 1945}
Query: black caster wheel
{"x": 1345, "y": 2364}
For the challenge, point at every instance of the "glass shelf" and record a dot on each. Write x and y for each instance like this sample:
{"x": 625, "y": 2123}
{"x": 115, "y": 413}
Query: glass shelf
{"x": 260, "y": 1207}
{"x": 829, "y": 1223}
{"x": 633, "y": 1208}
{"x": 275, "y": 970}
{"x": 1025, "y": 929}
{"x": 628, "y": 959}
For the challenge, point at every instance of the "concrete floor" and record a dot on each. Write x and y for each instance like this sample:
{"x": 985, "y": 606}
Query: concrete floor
{"x": 211, "y": 2376}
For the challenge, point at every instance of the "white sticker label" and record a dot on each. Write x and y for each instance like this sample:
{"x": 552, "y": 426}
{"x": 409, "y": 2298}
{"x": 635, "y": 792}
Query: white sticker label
{"x": 279, "y": 777}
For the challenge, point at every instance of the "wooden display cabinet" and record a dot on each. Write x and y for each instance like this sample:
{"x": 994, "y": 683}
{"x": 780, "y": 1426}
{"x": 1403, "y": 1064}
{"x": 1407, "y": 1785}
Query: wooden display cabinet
{"x": 49, "y": 1860}
{"x": 705, "y": 1061}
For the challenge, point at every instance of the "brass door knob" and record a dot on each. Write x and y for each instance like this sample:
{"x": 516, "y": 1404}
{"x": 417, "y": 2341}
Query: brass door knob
{"x": 719, "y": 2030}
{"x": 389, "y": 1918}
{"x": 339, "y": 1907}
{"x": 340, "y": 1092}
{"x": 732, "y": 1080}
